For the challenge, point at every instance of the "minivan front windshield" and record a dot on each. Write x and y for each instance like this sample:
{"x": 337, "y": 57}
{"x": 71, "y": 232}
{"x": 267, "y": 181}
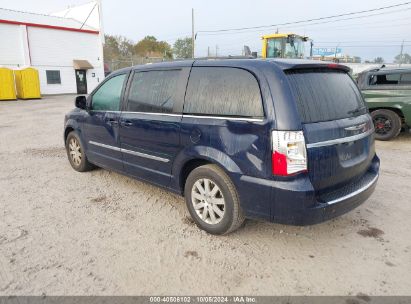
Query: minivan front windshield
{"x": 325, "y": 94}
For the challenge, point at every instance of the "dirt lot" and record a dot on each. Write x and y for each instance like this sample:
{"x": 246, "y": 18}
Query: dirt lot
{"x": 69, "y": 233}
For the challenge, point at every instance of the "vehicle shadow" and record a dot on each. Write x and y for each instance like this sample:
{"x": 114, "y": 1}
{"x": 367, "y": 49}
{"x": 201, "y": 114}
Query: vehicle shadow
{"x": 151, "y": 200}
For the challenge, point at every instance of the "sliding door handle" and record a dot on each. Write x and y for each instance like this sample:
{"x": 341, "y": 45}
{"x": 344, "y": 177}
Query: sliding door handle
{"x": 113, "y": 122}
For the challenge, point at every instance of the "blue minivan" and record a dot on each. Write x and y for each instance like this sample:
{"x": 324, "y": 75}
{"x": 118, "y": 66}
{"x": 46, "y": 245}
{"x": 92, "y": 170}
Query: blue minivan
{"x": 288, "y": 141}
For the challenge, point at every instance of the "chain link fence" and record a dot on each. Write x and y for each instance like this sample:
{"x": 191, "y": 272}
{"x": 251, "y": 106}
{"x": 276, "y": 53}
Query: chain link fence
{"x": 116, "y": 64}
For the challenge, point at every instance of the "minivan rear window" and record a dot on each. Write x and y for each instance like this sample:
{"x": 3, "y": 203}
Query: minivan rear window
{"x": 324, "y": 94}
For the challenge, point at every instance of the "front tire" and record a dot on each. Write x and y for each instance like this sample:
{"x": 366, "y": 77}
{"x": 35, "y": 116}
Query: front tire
{"x": 212, "y": 200}
{"x": 387, "y": 124}
{"x": 76, "y": 154}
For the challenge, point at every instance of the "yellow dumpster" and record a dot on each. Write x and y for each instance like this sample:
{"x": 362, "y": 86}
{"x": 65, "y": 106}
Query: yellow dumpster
{"x": 27, "y": 83}
{"x": 7, "y": 88}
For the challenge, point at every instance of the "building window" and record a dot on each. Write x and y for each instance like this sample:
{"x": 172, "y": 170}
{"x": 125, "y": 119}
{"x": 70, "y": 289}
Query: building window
{"x": 53, "y": 77}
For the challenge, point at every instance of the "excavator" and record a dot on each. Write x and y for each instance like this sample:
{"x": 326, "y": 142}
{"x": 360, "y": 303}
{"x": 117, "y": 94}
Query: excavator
{"x": 285, "y": 45}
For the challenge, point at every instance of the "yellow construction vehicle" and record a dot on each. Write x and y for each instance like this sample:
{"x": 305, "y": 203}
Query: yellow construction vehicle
{"x": 286, "y": 45}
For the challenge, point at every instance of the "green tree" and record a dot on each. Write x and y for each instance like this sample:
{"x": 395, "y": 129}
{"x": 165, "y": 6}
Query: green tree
{"x": 110, "y": 48}
{"x": 116, "y": 47}
{"x": 165, "y": 49}
{"x": 379, "y": 60}
{"x": 406, "y": 58}
{"x": 183, "y": 48}
{"x": 149, "y": 46}
{"x": 125, "y": 46}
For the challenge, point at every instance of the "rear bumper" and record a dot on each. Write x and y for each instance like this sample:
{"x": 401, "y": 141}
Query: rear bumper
{"x": 323, "y": 211}
{"x": 296, "y": 203}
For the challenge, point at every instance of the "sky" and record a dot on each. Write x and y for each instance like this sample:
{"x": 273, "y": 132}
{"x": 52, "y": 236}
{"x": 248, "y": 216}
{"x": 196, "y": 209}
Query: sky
{"x": 380, "y": 35}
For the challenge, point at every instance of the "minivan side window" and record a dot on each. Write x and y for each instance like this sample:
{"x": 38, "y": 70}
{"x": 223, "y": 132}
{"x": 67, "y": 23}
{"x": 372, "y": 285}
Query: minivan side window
{"x": 222, "y": 91}
{"x": 153, "y": 91}
{"x": 107, "y": 97}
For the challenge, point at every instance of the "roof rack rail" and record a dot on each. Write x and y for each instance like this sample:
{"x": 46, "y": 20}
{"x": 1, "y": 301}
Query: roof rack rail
{"x": 224, "y": 57}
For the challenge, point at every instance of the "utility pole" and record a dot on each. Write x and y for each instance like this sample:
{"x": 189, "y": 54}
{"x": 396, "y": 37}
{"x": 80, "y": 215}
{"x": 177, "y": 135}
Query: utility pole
{"x": 402, "y": 50}
{"x": 335, "y": 53}
{"x": 208, "y": 52}
{"x": 193, "y": 38}
{"x": 311, "y": 48}
{"x": 101, "y": 34}
{"x": 216, "y": 51}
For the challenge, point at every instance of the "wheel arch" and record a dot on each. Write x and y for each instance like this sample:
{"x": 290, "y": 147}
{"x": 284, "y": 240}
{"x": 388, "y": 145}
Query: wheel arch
{"x": 187, "y": 168}
{"x": 67, "y": 131}
{"x": 70, "y": 125}
{"x": 187, "y": 161}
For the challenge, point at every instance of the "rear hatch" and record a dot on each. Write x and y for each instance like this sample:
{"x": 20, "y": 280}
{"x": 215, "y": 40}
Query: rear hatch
{"x": 337, "y": 127}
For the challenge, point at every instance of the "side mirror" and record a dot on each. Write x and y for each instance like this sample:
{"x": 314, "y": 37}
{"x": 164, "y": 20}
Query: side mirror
{"x": 81, "y": 102}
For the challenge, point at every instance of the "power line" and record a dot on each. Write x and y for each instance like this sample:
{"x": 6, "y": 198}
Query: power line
{"x": 237, "y": 41}
{"x": 391, "y": 23}
{"x": 362, "y": 46}
{"x": 360, "y": 41}
{"x": 305, "y": 25}
{"x": 352, "y": 18}
{"x": 307, "y": 20}
{"x": 248, "y": 37}
{"x": 255, "y": 40}
{"x": 355, "y": 26}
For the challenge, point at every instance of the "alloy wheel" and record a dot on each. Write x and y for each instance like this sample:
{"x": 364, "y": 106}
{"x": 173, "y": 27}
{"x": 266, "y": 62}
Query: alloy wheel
{"x": 208, "y": 201}
{"x": 75, "y": 151}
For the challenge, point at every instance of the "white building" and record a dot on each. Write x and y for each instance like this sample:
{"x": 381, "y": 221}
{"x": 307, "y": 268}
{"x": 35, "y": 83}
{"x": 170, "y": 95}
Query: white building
{"x": 66, "y": 51}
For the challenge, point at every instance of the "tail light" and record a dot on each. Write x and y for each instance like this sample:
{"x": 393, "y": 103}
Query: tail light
{"x": 289, "y": 155}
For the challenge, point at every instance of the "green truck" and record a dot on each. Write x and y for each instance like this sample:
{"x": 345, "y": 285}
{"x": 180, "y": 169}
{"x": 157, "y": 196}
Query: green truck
{"x": 387, "y": 92}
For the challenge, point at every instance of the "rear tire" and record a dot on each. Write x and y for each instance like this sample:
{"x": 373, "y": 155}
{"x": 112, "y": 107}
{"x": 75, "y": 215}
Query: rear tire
{"x": 75, "y": 153}
{"x": 212, "y": 200}
{"x": 387, "y": 124}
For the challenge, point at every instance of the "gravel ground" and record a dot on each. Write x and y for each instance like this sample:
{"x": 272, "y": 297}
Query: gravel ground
{"x": 101, "y": 233}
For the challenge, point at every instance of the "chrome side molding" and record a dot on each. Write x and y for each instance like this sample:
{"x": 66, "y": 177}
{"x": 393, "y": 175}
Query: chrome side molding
{"x": 104, "y": 146}
{"x": 153, "y": 157}
{"x": 164, "y": 160}
{"x": 187, "y": 116}
{"x": 224, "y": 118}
